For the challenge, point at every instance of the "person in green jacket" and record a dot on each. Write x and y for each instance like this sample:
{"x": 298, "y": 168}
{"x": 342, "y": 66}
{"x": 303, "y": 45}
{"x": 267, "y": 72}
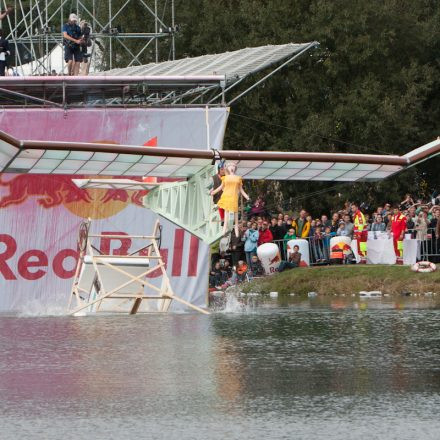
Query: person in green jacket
{"x": 290, "y": 235}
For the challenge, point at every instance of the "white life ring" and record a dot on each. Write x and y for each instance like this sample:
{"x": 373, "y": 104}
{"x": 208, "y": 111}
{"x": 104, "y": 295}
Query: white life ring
{"x": 424, "y": 267}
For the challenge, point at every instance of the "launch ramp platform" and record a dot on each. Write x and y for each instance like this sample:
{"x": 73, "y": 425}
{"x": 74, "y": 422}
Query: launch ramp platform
{"x": 121, "y": 284}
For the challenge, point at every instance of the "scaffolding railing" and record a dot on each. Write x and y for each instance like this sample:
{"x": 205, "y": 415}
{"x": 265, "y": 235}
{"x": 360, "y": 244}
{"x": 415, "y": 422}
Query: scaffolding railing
{"x": 34, "y": 30}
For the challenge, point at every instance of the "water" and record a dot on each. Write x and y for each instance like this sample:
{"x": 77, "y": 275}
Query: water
{"x": 333, "y": 368}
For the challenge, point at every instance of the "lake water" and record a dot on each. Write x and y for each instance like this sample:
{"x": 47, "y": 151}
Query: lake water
{"x": 333, "y": 368}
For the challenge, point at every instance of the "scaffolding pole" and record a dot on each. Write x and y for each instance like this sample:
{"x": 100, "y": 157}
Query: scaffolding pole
{"x": 34, "y": 30}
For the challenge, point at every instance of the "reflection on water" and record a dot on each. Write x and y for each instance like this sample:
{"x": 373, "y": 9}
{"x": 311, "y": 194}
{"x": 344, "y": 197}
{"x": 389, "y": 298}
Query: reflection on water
{"x": 327, "y": 368}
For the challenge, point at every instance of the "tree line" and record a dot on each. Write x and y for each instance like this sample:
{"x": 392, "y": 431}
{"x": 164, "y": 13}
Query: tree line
{"x": 373, "y": 85}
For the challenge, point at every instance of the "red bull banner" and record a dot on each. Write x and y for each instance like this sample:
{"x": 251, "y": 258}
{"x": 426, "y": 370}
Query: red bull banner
{"x": 40, "y": 218}
{"x": 168, "y": 128}
{"x": 40, "y": 214}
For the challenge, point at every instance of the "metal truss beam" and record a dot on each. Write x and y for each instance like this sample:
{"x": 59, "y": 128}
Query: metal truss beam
{"x": 260, "y": 81}
{"x": 189, "y": 205}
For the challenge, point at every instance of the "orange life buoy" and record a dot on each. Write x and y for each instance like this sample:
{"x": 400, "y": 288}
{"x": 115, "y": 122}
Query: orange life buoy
{"x": 424, "y": 267}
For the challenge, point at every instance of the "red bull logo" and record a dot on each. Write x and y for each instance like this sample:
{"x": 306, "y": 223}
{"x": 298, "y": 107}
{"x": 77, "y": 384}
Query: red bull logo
{"x": 51, "y": 191}
{"x": 275, "y": 259}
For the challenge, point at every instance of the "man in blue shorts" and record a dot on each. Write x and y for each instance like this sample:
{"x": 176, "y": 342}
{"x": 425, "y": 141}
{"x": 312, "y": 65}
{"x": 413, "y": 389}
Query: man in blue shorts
{"x": 72, "y": 45}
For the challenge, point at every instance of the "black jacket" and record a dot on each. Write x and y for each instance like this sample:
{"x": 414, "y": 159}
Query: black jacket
{"x": 236, "y": 243}
{"x": 4, "y": 45}
{"x": 278, "y": 232}
{"x": 217, "y": 181}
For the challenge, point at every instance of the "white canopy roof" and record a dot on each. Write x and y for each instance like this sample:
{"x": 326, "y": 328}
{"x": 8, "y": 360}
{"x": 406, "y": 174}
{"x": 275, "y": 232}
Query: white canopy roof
{"x": 233, "y": 65}
{"x": 89, "y": 159}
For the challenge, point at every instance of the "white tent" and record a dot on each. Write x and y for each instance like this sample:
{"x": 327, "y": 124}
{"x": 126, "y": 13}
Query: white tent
{"x": 54, "y": 61}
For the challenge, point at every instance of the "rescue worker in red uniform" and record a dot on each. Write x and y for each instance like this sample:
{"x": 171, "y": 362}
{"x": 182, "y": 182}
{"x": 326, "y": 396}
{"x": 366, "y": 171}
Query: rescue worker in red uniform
{"x": 398, "y": 228}
{"x": 360, "y": 233}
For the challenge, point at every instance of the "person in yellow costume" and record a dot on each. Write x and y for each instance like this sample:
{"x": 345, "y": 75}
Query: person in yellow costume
{"x": 232, "y": 186}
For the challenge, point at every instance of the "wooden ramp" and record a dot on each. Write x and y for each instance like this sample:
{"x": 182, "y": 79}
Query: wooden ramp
{"x": 120, "y": 284}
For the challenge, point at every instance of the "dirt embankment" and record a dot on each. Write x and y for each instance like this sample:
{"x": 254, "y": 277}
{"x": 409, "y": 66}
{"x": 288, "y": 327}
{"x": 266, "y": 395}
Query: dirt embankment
{"x": 393, "y": 280}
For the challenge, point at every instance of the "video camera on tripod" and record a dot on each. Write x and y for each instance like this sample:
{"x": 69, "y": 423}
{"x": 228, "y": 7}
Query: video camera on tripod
{"x": 86, "y": 32}
{"x": 86, "y": 38}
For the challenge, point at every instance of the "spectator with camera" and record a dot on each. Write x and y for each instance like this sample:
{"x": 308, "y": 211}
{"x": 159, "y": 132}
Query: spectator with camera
{"x": 406, "y": 202}
{"x": 72, "y": 45}
{"x": 4, "y": 53}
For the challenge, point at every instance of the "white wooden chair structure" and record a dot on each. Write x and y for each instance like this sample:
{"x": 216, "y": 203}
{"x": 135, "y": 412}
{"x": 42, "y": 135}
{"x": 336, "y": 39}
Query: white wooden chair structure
{"x": 119, "y": 284}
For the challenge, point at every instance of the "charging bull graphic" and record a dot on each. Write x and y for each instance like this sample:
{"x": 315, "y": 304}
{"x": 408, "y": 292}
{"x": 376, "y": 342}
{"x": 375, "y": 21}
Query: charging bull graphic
{"x": 275, "y": 259}
{"x": 51, "y": 191}
{"x": 56, "y": 189}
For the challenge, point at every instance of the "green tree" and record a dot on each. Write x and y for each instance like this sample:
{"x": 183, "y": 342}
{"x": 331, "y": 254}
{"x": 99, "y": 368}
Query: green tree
{"x": 372, "y": 87}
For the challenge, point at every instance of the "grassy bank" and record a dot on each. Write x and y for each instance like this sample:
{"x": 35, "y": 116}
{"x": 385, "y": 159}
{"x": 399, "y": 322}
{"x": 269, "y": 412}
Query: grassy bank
{"x": 347, "y": 279}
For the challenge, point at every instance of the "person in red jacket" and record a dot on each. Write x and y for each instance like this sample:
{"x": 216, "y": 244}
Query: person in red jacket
{"x": 398, "y": 227}
{"x": 265, "y": 236}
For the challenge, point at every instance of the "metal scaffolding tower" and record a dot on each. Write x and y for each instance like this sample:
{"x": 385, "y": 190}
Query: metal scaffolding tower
{"x": 124, "y": 32}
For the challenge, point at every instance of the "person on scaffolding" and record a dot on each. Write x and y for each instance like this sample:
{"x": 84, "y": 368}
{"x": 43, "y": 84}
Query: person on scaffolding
{"x": 72, "y": 45}
{"x": 4, "y": 53}
{"x": 86, "y": 42}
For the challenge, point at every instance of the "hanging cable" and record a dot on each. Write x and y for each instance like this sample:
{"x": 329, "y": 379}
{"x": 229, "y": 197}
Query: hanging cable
{"x": 363, "y": 147}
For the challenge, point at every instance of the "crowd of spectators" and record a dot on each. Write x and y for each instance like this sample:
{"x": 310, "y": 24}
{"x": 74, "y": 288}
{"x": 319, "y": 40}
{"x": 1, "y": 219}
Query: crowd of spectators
{"x": 418, "y": 218}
